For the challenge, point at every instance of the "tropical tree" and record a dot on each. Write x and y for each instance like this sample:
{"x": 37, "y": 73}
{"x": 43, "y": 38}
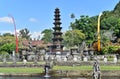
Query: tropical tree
{"x": 4, "y": 55}
{"x": 87, "y": 25}
{"x": 109, "y": 28}
{"x": 117, "y": 29}
{"x": 73, "y": 37}
{"x": 8, "y": 47}
{"x": 7, "y": 43}
{"x": 72, "y": 16}
{"x": 47, "y": 35}
{"x": 7, "y": 34}
{"x": 7, "y": 39}
{"x": 24, "y": 33}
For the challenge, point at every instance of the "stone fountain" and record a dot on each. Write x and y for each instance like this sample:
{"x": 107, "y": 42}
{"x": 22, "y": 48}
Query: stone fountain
{"x": 46, "y": 69}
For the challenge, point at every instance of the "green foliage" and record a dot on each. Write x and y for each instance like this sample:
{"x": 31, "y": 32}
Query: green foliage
{"x": 24, "y": 33}
{"x": 8, "y": 34}
{"x": 4, "y": 54}
{"x": 85, "y": 24}
{"x": 47, "y": 35}
{"x": 72, "y": 16}
{"x": 111, "y": 23}
{"x": 116, "y": 10}
{"x": 117, "y": 29}
{"x": 110, "y": 58}
{"x": 109, "y": 28}
{"x": 108, "y": 23}
{"x": 104, "y": 50}
{"x": 9, "y": 47}
{"x": 73, "y": 37}
{"x": 110, "y": 49}
{"x": 7, "y": 39}
{"x": 7, "y": 43}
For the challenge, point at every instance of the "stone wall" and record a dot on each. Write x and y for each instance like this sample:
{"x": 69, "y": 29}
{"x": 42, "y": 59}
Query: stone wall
{"x": 82, "y": 63}
{"x": 83, "y": 73}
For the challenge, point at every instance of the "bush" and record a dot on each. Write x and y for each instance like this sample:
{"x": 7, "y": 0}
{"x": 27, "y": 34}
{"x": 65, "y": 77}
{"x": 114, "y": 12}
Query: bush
{"x": 4, "y": 54}
{"x": 110, "y": 57}
{"x": 109, "y": 49}
{"x": 9, "y": 47}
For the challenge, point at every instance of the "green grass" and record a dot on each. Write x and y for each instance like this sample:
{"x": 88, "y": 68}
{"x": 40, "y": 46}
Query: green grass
{"x": 22, "y": 62}
{"x": 110, "y": 67}
{"x": 40, "y": 70}
{"x": 85, "y": 68}
{"x": 72, "y": 68}
{"x": 21, "y": 70}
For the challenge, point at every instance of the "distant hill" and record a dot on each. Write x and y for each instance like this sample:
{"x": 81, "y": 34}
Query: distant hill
{"x": 110, "y": 23}
{"x": 116, "y": 10}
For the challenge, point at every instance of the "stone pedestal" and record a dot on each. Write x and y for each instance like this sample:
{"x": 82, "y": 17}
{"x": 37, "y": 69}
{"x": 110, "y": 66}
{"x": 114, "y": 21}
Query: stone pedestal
{"x": 115, "y": 60}
{"x": 105, "y": 60}
{"x": 74, "y": 59}
{"x": 85, "y": 59}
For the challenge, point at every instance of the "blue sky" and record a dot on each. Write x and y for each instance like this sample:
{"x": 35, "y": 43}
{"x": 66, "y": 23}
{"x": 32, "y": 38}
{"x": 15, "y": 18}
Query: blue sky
{"x": 37, "y": 15}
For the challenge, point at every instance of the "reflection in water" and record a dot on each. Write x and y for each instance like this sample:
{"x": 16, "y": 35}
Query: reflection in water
{"x": 53, "y": 78}
{"x": 111, "y": 77}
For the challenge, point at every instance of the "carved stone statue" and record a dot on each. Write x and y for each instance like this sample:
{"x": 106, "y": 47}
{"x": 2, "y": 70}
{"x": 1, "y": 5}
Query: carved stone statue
{"x": 96, "y": 71}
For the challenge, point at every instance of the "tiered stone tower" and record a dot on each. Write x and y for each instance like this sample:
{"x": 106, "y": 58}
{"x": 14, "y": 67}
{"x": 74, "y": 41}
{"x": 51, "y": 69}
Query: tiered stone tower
{"x": 57, "y": 34}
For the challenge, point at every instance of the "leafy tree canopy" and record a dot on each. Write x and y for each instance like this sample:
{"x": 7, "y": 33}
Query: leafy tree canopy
{"x": 73, "y": 37}
{"x": 24, "y": 33}
{"x": 47, "y": 35}
{"x": 109, "y": 21}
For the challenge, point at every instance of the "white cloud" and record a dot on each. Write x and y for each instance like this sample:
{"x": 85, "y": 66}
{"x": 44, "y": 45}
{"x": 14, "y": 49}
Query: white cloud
{"x": 36, "y": 35}
{"x": 8, "y": 31}
{"x": 33, "y": 20}
{"x": 6, "y": 19}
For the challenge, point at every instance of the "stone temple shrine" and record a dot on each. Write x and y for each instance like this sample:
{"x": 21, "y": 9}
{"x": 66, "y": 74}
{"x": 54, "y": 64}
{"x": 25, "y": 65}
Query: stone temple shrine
{"x": 57, "y": 39}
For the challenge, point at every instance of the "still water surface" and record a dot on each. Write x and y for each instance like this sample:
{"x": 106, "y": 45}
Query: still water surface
{"x": 54, "y": 78}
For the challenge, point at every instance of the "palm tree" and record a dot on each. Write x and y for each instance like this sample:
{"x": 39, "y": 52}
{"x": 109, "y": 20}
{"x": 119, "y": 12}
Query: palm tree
{"x": 24, "y": 33}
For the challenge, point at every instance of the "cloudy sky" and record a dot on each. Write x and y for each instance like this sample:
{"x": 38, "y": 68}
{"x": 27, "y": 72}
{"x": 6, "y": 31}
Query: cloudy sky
{"x": 37, "y": 15}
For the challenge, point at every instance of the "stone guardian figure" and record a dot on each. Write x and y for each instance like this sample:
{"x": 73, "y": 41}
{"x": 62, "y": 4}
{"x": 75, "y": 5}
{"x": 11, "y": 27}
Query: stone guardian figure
{"x": 96, "y": 71}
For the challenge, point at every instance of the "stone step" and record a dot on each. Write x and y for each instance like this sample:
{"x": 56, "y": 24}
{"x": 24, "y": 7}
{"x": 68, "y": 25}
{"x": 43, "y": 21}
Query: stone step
{"x": 81, "y": 78}
{"x": 77, "y": 78}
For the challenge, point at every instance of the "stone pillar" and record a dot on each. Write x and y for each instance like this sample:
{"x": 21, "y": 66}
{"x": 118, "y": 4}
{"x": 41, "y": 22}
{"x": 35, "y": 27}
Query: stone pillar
{"x": 14, "y": 57}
